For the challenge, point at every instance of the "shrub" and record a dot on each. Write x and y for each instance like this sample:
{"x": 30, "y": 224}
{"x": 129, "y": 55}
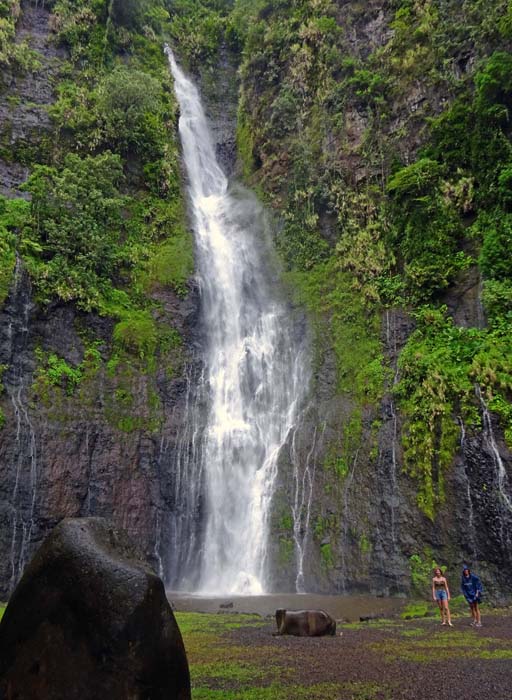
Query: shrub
{"x": 422, "y": 570}
{"x": 137, "y": 333}
{"x": 77, "y": 220}
{"x": 495, "y": 256}
{"x": 129, "y": 102}
{"x": 14, "y": 214}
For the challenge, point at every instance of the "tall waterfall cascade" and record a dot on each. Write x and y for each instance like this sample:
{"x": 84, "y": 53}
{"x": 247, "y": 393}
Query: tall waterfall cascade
{"x": 254, "y": 380}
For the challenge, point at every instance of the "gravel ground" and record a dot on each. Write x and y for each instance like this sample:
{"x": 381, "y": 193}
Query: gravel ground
{"x": 393, "y": 660}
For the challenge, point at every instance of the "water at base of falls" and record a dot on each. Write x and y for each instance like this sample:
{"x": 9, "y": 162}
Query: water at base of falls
{"x": 253, "y": 384}
{"x": 349, "y": 608}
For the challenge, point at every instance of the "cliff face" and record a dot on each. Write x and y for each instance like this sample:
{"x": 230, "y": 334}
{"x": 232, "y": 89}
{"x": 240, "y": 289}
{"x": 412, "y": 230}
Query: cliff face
{"x": 66, "y": 456}
{"x": 99, "y": 436}
{"x": 377, "y": 136}
{"x": 398, "y": 462}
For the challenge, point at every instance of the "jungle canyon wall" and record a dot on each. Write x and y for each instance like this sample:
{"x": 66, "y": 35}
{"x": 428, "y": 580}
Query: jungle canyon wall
{"x": 378, "y": 133}
{"x": 98, "y": 313}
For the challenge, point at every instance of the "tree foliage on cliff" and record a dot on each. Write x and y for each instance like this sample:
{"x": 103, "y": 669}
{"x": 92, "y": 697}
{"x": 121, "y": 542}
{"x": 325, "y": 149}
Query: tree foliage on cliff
{"x": 106, "y": 210}
{"x": 13, "y": 54}
{"x": 110, "y": 196}
{"x": 389, "y": 157}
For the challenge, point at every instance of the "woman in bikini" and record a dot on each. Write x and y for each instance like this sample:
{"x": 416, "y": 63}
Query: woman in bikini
{"x": 441, "y": 596}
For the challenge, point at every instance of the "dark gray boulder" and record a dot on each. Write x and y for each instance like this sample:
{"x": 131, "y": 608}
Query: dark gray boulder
{"x": 89, "y": 620}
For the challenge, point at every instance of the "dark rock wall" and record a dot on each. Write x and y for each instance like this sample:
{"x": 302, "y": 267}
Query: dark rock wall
{"x": 24, "y": 118}
{"x": 364, "y": 523}
{"x": 356, "y": 524}
{"x": 65, "y": 456}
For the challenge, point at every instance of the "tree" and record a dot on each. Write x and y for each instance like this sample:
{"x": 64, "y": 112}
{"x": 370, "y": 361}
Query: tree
{"x": 77, "y": 220}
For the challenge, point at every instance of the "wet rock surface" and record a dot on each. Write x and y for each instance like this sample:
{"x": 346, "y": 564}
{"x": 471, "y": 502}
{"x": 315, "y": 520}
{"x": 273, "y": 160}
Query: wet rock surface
{"x": 66, "y": 456}
{"x": 25, "y": 97}
{"x": 355, "y": 532}
{"x": 90, "y": 620}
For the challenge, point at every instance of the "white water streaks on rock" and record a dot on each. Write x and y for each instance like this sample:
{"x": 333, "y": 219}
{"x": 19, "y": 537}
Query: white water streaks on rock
{"x": 255, "y": 375}
{"x": 304, "y": 479}
{"x": 24, "y": 468}
{"x": 469, "y": 496}
{"x": 501, "y": 474}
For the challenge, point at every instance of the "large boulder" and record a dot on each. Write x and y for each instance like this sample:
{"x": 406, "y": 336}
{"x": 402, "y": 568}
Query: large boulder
{"x": 304, "y": 623}
{"x": 90, "y": 621}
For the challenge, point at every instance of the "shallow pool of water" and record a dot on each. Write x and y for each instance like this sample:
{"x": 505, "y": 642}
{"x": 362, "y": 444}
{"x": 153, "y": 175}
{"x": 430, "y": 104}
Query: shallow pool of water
{"x": 349, "y": 608}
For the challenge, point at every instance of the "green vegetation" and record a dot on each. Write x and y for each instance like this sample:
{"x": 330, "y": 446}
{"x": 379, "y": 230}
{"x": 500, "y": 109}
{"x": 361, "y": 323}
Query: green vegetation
{"x": 428, "y": 649}
{"x": 441, "y": 365}
{"x": 326, "y": 555}
{"x": 422, "y": 570}
{"x": 390, "y": 171}
{"x": 54, "y": 371}
{"x": 13, "y": 216}
{"x": 319, "y": 691}
{"x": 370, "y": 221}
{"x": 198, "y": 27}
{"x": 76, "y": 228}
{"x": 234, "y": 656}
{"x": 105, "y": 226}
{"x": 13, "y": 55}
{"x": 286, "y": 550}
{"x": 416, "y": 610}
{"x": 346, "y": 325}
{"x": 223, "y": 665}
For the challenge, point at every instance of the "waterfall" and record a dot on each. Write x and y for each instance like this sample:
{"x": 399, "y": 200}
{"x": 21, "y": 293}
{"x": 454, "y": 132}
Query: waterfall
{"x": 395, "y": 499}
{"x": 469, "y": 496}
{"x": 303, "y": 481}
{"x": 24, "y": 468}
{"x": 253, "y": 382}
{"x": 488, "y": 432}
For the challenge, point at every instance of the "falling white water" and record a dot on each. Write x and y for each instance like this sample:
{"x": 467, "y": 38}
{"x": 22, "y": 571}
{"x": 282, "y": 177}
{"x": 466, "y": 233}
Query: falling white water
{"x": 469, "y": 496}
{"x": 395, "y": 500}
{"x": 501, "y": 474}
{"x": 255, "y": 376}
{"x": 25, "y": 464}
{"x": 303, "y": 481}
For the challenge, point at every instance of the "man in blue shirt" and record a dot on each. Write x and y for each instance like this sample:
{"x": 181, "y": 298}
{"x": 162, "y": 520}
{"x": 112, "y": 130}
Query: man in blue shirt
{"x": 471, "y": 587}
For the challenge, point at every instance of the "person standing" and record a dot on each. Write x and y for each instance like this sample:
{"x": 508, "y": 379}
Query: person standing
{"x": 441, "y": 596}
{"x": 472, "y": 589}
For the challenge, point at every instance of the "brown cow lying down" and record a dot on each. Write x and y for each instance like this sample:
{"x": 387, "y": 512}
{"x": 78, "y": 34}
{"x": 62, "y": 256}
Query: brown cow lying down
{"x": 304, "y": 623}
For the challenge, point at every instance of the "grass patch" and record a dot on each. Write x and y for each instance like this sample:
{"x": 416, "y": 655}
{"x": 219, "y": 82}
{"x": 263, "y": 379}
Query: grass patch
{"x": 214, "y": 623}
{"x": 172, "y": 263}
{"x": 416, "y": 610}
{"x": 414, "y": 632}
{"x": 383, "y": 623}
{"x": 320, "y": 691}
{"x": 206, "y": 637}
{"x": 226, "y": 673}
{"x": 451, "y": 643}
